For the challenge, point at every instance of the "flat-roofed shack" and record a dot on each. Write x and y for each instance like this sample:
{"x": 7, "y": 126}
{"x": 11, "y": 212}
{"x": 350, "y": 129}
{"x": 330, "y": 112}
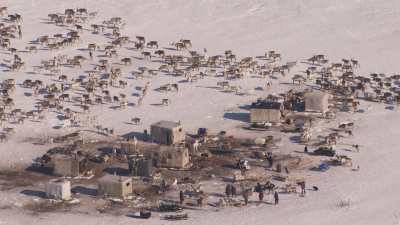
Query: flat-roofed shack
{"x": 114, "y": 186}
{"x": 167, "y": 133}
{"x": 264, "y": 111}
{"x": 168, "y": 156}
{"x": 316, "y": 101}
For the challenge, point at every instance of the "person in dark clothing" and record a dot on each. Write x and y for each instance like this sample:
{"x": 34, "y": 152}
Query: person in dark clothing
{"x": 228, "y": 190}
{"x": 200, "y": 201}
{"x": 286, "y": 170}
{"x": 233, "y": 190}
{"x": 163, "y": 186}
{"x": 258, "y": 188}
{"x": 90, "y": 55}
{"x": 303, "y": 188}
{"x": 261, "y": 196}
{"x": 181, "y": 197}
{"x": 278, "y": 168}
{"x": 276, "y": 197}
{"x": 306, "y": 149}
{"x": 270, "y": 159}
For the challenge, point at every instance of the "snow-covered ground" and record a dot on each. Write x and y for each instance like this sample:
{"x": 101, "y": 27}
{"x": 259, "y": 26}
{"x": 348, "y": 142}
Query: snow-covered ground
{"x": 367, "y": 30}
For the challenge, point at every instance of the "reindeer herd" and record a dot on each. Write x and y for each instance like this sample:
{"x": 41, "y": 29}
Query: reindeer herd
{"x": 104, "y": 67}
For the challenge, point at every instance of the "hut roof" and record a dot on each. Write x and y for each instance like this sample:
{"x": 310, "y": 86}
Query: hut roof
{"x": 263, "y": 104}
{"x": 113, "y": 179}
{"x": 166, "y": 124}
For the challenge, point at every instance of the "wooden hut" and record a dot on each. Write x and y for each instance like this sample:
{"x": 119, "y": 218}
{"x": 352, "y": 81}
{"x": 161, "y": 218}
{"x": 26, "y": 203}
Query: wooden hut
{"x": 264, "y": 111}
{"x": 167, "y": 133}
{"x": 169, "y": 156}
{"x": 139, "y": 166}
{"x": 115, "y": 186}
{"x": 68, "y": 165}
{"x": 316, "y": 101}
{"x": 58, "y": 189}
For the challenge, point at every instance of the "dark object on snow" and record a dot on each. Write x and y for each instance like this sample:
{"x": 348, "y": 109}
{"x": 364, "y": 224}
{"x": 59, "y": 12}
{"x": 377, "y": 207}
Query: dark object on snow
{"x": 324, "y": 151}
{"x": 145, "y": 214}
{"x": 169, "y": 207}
{"x": 202, "y": 132}
{"x": 323, "y": 167}
{"x": 315, "y": 188}
{"x": 176, "y": 217}
{"x": 276, "y": 198}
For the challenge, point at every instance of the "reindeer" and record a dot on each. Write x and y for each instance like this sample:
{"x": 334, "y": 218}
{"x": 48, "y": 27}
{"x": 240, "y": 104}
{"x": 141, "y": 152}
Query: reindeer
{"x": 152, "y": 44}
{"x": 135, "y": 120}
{"x": 146, "y": 55}
{"x": 126, "y": 61}
{"x": 141, "y": 39}
{"x": 160, "y": 53}
{"x": 186, "y": 43}
{"x": 31, "y": 49}
{"x": 165, "y": 102}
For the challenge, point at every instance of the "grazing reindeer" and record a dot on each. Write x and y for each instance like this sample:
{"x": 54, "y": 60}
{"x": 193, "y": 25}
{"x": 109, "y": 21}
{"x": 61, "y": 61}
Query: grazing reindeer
{"x": 160, "y": 53}
{"x": 146, "y": 55}
{"x": 126, "y": 61}
{"x": 152, "y": 44}
{"x": 186, "y": 43}
{"x": 165, "y": 101}
{"x": 141, "y": 39}
{"x": 135, "y": 120}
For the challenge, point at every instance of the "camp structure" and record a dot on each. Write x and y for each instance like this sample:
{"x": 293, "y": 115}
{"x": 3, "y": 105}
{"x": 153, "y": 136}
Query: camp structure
{"x": 167, "y": 133}
{"x": 165, "y": 156}
{"x": 139, "y": 166}
{"x": 265, "y": 111}
{"x": 115, "y": 186}
{"x": 316, "y": 101}
{"x": 58, "y": 189}
{"x": 68, "y": 165}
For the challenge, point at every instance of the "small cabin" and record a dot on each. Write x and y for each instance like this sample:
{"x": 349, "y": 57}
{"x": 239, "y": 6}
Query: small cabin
{"x": 115, "y": 186}
{"x": 58, "y": 189}
{"x": 316, "y": 101}
{"x": 167, "y": 133}
{"x": 169, "y": 157}
{"x": 264, "y": 111}
{"x": 68, "y": 165}
{"x": 139, "y": 166}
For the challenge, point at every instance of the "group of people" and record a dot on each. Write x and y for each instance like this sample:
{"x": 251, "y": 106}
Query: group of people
{"x": 261, "y": 189}
{"x": 230, "y": 191}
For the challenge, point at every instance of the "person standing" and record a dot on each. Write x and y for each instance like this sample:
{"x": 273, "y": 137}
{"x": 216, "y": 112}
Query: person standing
{"x": 303, "y": 188}
{"x": 276, "y": 198}
{"x": 228, "y": 190}
{"x": 261, "y": 195}
{"x": 181, "y": 197}
{"x": 260, "y": 191}
{"x": 246, "y": 196}
{"x": 19, "y": 31}
{"x": 270, "y": 159}
{"x": 200, "y": 201}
